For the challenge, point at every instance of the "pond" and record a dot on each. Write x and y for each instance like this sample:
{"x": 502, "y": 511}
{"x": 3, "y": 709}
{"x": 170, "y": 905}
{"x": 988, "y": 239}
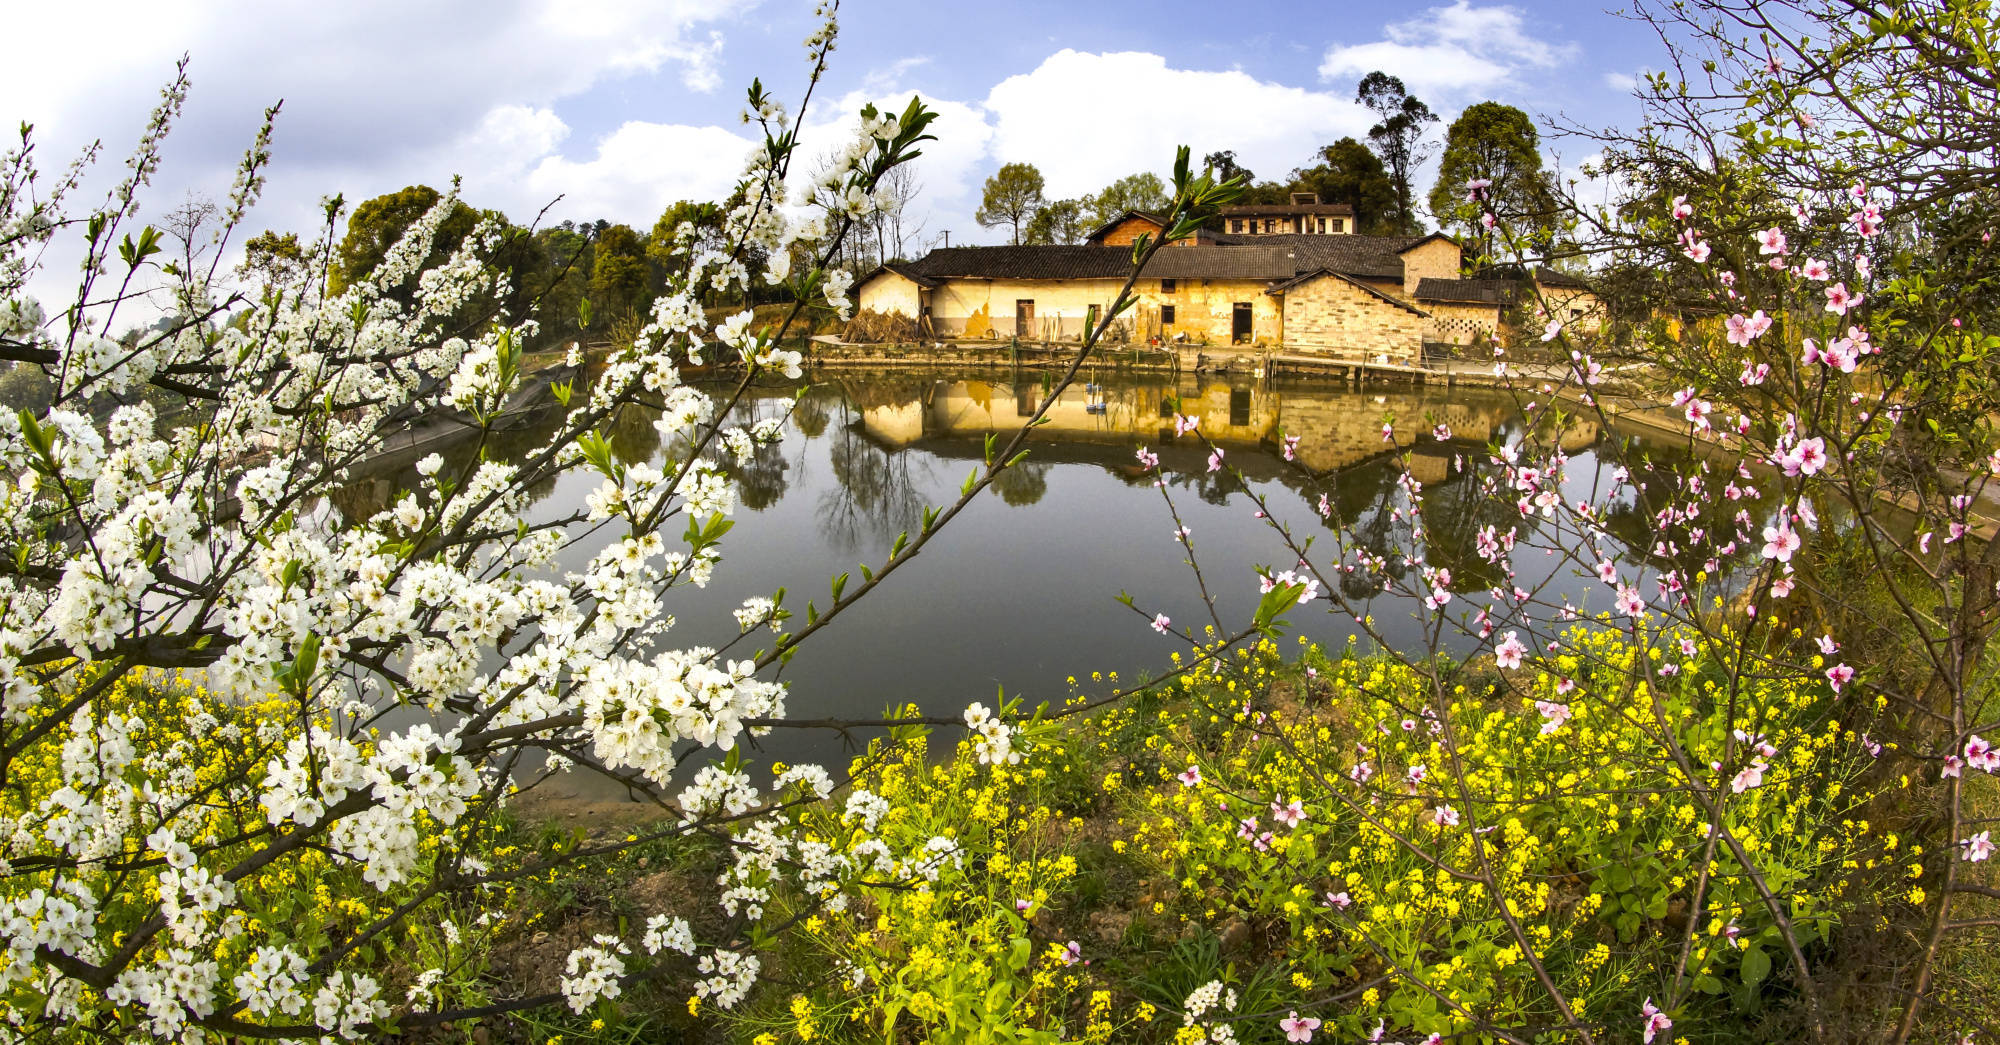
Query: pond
{"x": 1020, "y": 592}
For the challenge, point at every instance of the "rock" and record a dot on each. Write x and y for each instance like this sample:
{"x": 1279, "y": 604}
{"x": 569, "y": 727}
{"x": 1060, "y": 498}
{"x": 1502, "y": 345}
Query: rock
{"x": 1110, "y": 926}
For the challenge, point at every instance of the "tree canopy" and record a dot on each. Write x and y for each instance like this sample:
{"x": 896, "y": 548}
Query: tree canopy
{"x": 378, "y": 223}
{"x": 1143, "y": 191}
{"x": 1012, "y": 196}
{"x": 1349, "y": 173}
{"x": 1060, "y": 222}
{"x": 1499, "y": 144}
{"x": 1398, "y": 138}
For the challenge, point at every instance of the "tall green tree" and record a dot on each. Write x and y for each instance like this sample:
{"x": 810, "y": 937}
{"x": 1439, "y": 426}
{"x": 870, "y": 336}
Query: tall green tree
{"x": 562, "y": 280}
{"x": 1060, "y": 222}
{"x": 1223, "y": 163}
{"x": 1143, "y": 191}
{"x": 1402, "y": 122}
{"x": 704, "y": 218}
{"x": 1013, "y": 195}
{"x": 273, "y": 259}
{"x": 378, "y": 223}
{"x": 1348, "y": 173}
{"x": 1499, "y": 144}
{"x": 621, "y": 278}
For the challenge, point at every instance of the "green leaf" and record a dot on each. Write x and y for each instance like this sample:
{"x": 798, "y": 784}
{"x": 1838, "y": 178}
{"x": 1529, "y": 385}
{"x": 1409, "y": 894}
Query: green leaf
{"x": 1275, "y": 602}
{"x": 1756, "y": 965}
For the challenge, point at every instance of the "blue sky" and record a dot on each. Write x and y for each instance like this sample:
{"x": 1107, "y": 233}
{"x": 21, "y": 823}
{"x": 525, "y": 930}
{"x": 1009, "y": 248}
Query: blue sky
{"x": 622, "y": 106}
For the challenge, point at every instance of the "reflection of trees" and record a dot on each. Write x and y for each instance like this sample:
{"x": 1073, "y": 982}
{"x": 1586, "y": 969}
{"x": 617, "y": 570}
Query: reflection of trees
{"x": 761, "y": 482}
{"x": 1022, "y": 484}
{"x": 379, "y": 481}
{"x": 1633, "y": 517}
{"x": 815, "y": 408}
{"x": 631, "y": 434}
{"x": 877, "y": 495}
{"x": 1455, "y": 510}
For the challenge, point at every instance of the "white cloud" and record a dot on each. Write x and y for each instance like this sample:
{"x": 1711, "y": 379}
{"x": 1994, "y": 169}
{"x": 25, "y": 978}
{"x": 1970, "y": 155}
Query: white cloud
{"x": 1449, "y": 53}
{"x": 1624, "y": 82}
{"x": 1055, "y": 117}
{"x": 950, "y": 170}
{"x": 377, "y": 94}
{"x": 638, "y": 170}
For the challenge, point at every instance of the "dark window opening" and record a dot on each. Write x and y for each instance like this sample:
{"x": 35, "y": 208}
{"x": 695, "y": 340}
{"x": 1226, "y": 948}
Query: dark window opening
{"x": 1340, "y": 225}
{"x": 1167, "y": 286}
{"x": 1166, "y": 314}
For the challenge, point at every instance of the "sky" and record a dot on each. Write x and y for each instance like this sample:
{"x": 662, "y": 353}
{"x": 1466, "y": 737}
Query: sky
{"x": 616, "y": 108}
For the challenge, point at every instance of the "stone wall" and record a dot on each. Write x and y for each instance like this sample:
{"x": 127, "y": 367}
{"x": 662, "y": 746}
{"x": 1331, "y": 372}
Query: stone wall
{"x": 1436, "y": 259}
{"x": 1331, "y": 316}
{"x": 1580, "y": 310}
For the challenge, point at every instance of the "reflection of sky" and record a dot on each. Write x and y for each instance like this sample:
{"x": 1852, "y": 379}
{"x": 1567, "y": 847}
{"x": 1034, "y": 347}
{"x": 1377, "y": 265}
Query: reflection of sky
{"x": 1019, "y": 592}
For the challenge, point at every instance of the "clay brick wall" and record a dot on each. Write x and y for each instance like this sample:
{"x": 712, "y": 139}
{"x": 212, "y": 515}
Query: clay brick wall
{"x": 1438, "y": 259}
{"x": 1334, "y": 317}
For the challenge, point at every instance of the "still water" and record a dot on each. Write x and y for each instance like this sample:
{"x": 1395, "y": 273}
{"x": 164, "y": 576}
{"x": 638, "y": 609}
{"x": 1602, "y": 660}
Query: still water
{"x": 1020, "y": 591}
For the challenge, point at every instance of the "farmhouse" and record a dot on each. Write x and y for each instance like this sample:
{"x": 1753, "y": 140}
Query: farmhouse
{"x": 1315, "y": 292}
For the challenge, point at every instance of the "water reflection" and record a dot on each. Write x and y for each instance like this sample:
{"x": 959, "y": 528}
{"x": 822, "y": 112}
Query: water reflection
{"x": 1019, "y": 591}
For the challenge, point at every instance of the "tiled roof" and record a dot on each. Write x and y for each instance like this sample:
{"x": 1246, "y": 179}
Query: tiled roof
{"x": 1468, "y": 291}
{"x": 906, "y": 271}
{"x": 1373, "y": 258}
{"x": 1549, "y": 277}
{"x": 1365, "y": 257}
{"x": 1279, "y": 209}
{"x": 1048, "y": 262}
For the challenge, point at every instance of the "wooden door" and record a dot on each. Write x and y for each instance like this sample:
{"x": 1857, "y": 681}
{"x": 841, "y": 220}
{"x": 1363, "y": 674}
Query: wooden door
{"x": 1024, "y": 317}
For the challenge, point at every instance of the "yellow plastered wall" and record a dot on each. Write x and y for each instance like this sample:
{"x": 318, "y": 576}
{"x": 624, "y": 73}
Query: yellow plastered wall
{"x": 1204, "y": 309}
{"x": 890, "y": 293}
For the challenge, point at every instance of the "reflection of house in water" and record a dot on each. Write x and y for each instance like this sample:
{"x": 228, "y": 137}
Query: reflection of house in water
{"x": 1336, "y": 429}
